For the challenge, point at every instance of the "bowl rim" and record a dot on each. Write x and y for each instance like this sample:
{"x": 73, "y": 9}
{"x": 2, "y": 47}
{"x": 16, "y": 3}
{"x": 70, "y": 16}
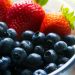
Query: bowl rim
{"x": 66, "y": 66}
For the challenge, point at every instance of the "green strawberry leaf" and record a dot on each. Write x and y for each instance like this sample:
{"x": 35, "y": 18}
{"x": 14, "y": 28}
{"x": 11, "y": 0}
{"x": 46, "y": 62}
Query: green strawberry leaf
{"x": 69, "y": 16}
{"x": 41, "y": 2}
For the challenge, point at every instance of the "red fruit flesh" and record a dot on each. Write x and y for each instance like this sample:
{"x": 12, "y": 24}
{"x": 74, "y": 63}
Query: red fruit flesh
{"x": 25, "y": 17}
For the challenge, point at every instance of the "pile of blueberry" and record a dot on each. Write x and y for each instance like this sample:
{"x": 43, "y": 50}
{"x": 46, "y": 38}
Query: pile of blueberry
{"x": 33, "y": 54}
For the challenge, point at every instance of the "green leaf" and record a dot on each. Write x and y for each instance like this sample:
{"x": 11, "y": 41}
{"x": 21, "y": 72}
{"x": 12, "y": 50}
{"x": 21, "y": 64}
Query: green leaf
{"x": 69, "y": 16}
{"x": 41, "y": 2}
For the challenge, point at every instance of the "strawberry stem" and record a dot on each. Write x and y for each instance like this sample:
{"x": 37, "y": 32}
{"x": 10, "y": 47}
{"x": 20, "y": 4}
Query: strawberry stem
{"x": 41, "y": 2}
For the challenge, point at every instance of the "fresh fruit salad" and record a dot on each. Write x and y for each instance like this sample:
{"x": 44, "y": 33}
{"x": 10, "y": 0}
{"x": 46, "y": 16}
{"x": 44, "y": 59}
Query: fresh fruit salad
{"x": 33, "y": 41}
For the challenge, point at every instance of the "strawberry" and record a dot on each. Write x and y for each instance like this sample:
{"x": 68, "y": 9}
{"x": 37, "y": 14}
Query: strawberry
{"x": 23, "y": 17}
{"x": 58, "y": 23}
{"x": 4, "y": 6}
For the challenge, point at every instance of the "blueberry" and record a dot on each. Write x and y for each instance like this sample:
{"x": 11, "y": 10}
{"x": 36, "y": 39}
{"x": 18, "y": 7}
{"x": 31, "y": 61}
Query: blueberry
{"x": 52, "y": 38}
{"x": 26, "y": 72}
{"x": 50, "y": 56}
{"x": 27, "y": 45}
{"x": 17, "y": 44}
{"x": 11, "y": 33}
{"x": 4, "y": 25}
{"x": 18, "y": 55}
{"x": 3, "y": 28}
{"x": 69, "y": 52}
{"x": 70, "y": 39}
{"x": 60, "y": 65}
{"x": 7, "y": 44}
{"x": 50, "y": 67}
{"x": 60, "y": 46}
{"x": 63, "y": 60}
{"x": 5, "y": 63}
{"x": 73, "y": 47}
{"x": 38, "y": 38}
{"x": 7, "y": 72}
{"x": 40, "y": 72}
{"x": 39, "y": 50}
{"x": 27, "y": 35}
{"x": 35, "y": 59}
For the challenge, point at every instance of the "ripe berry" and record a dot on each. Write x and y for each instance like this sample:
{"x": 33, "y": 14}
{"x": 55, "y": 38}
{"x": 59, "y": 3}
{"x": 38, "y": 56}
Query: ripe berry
{"x": 57, "y": 23}
{"x": 38, "y": 38}
{"x": 7, "y": 72}
{"x": 40, "y": 72}
{"x": 7, "y": 44}
{"x": 26, "y": 72}
{"x": 70, "y": 39}
{"x": 60, "y": 65}
{"x": 52, "y": 38}
{"x": 60, "y": 46}
{"x": 17, "y": 44}
{"x": 50, "y": 56}
{"x": 34, "y": 59}
{"x": 50, "y": 67}
{"x": 11, "y": 33}
{"x": 27, "y": 45}
{"x": 69, "y": 51}
{"x": 3, "y": 29}
{"x": 63, "y": 60}
{"x": 39, "y": 50}
{"x": 5, "y": 63}
{"x": 18, "y": 55}
{"x": 27, "y": 35}
{"x": 25, "y": 16}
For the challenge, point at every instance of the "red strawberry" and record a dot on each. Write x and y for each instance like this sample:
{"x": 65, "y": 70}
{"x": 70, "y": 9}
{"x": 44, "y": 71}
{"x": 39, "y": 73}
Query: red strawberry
{"x": 61, "y": 22}
{"x": 23, "y": 17}
{"x": 4, "y": 5}
{"x": 55, "y": 22}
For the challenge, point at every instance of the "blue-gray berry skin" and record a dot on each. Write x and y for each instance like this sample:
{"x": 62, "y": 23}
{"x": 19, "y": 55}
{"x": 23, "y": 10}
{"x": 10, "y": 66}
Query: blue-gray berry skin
{"x": 40, "y": 72}
{"x": 60, "y": 46}
{"x": 63, "y": 60}
{"x": 69, "y": 52}
{"x": 26, "y": 72}
{"x": 12, "y": 33}
{"x": 38, "y": 38}
{"x": 35, "y": 59}
{"x": 18, "y": 55}
{"x": 5, "y": 63}
{"x": 60, "y": 65}
{"x": 27, "y": 45}
{"x": 50, "y": 56}
{"x": 3, "y": 29}
{"x": 52, "y": 38}
{"x": 69, "y": 39}
{"x": 50, "y": 67}
{"x": 6, "y": 46}
{"x": 7, "y": 72}
{"x": 27, "y": 35}
{"x": 39, "y": 50}
{"x": 17, "y": 44}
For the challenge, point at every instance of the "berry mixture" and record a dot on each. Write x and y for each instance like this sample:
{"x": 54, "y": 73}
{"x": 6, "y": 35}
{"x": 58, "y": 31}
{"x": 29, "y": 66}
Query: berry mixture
{"x": 33, "y": 41}
{"x": 34, "y": 53}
